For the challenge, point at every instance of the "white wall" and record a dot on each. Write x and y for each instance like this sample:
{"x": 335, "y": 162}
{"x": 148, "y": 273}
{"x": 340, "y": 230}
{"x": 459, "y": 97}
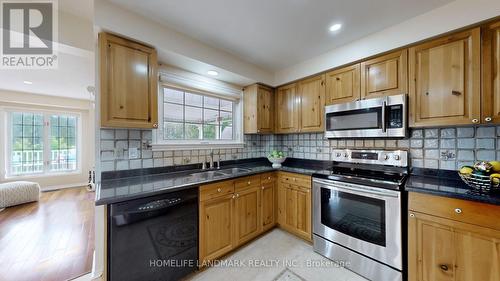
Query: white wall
{"x": 449, "y": 17}
{"x": 11, "y": 99}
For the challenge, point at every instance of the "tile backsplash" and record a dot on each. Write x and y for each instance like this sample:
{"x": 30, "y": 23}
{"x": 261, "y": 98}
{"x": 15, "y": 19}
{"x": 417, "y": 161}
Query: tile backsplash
{"x": 436, "y": 148}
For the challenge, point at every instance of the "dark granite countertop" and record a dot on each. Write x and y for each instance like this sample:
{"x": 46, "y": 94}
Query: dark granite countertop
{"x": 446, "y": 184}
{"x": 133, "y": 184}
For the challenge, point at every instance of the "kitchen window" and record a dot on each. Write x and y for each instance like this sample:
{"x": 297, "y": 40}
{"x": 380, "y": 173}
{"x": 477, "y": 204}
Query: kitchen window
{"x": 190, "y": 119}
{"x": 42, "y": 143}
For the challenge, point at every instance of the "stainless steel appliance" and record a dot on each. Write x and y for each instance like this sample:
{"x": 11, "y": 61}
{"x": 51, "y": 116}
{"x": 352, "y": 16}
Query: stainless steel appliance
{"x": 371, "y": 118}
{"x": 357, "y": 212}
{"x": 154, "y": 238}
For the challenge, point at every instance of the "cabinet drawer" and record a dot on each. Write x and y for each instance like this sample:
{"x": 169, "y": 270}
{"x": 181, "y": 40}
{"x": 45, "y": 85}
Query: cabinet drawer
{"x": 215, "y": 190}
{"x": 298, "y": 180}
{"x": 267, "y": 178}
{"x": 482, "y": 214}
{"x": 247, "y": 182}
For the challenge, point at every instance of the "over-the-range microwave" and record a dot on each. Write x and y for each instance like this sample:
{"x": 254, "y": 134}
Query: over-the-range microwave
{"x": 384, "y": 117}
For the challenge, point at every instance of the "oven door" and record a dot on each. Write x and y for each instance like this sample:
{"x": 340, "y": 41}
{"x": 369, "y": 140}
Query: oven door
{"x": 362, "y": 218}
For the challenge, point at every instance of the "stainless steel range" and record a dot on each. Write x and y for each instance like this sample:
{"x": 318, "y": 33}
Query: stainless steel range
{"x": 357, "y": 212}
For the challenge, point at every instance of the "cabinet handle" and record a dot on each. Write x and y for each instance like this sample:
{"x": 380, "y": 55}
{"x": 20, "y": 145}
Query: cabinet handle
{"x": 487, "y": 119}
{"x": 337, "y": 78}
{"x": 456, "y": 93}
{"x": 412, "y": 215}
{"x": 458, "y": 210}
{"x": 121, "y": 106}
{"x": 219, "y": 189}
{"x": 443, "y": 267}
{"x": 475, "y": 121}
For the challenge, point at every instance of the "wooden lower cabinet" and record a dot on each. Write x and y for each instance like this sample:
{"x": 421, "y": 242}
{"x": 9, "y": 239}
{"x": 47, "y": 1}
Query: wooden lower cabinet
{"x": 216, "y": 227}
{"x": 444, "y": 249}
{"x": 268, "y": 205}
{"x": 247, "y": 214}
{"x": 294, "y": 205}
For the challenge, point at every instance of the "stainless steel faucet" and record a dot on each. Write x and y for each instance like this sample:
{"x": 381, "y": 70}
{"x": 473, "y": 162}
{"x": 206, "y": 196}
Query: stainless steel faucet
{"x": 218, "y": 160}
{"x": 211, "y": 158}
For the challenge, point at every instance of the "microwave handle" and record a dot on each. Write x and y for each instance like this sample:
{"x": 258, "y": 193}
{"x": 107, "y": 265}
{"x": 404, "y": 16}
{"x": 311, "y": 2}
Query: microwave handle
{"x": 384, "y": 127}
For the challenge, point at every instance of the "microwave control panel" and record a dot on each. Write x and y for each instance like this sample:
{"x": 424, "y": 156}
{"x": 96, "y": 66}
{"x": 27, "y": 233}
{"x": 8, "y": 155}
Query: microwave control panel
{"x": 395, "y": 116}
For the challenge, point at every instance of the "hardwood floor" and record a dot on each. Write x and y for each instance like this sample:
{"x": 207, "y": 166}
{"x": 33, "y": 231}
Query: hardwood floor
{"x": 52, "y": 239}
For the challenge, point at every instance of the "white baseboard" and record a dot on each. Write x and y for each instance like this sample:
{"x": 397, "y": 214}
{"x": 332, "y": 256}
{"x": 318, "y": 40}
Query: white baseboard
{"x": 63, "y": 186}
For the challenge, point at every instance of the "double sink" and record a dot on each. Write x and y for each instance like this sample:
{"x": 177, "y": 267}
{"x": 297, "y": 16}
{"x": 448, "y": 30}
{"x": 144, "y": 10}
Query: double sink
{"x": 219, "y": 173}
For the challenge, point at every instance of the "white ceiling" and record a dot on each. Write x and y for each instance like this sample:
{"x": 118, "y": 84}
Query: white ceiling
{"x": 279, "y": 33}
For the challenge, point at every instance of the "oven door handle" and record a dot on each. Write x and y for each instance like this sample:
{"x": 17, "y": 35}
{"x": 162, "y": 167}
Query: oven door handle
{"x": 362, "y": 190}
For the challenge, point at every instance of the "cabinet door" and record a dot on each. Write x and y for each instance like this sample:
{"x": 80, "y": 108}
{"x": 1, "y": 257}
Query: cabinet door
{"x": 247, "y": 214}
{"x": 445, "y": 81}
{"x": 491, "y": 74}
{"x": 343, "y": 85}
{"x": 286, "y": 109}
{"x": 128, "y": 77}
{"x": 312, "y": 104}
{"x": 216, "y": 227}
{"x": 442, "y": 249}
{"x": 385, "y": 75}
{"x": 268, "y": 198}
{"x": 303, "y": 212}
{"x": 265, "y": 110}
{"x": 431, "y": 250}
{"x": 281, "y": 203}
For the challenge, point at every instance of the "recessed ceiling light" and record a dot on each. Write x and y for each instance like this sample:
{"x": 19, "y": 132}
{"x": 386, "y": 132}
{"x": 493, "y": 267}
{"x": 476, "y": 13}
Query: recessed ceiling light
{"x": 335, "y": 27}
{"x": 27, "y": 82}
{"x": 212, "y": 72}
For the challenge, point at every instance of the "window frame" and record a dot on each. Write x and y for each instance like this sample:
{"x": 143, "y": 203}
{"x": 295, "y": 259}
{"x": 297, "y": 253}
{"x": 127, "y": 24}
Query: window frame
{"x": 46, "y": 143}
{"x": 160, "y": 144}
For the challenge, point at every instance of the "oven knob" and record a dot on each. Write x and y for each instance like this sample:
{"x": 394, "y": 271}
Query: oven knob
{"x": 386, "y": 157}
{"x": 338, "y": 155}
{"x": 346, "y": 155}
{"x": 396, "y": 157}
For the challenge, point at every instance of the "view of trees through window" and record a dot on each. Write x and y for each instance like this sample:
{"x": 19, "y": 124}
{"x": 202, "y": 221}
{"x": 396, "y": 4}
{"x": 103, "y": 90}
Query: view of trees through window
{"x": 192, "y": 116}
{"x": 29, "y": 137}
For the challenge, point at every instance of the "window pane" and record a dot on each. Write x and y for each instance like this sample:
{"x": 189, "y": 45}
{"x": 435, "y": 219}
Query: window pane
{"x": 173, "y": 131}
{"x": 26, "y": 143}
{"x": 193, "y": 114}
{"x": 226, "y": 118}
{"x": 193, "y": 131}
{"x": 173, "y": 112}
{"x": 63, "y": 150}
{"x": 172, "y": 95}
{"x": 194, "y": 99}
{"x": 226, "y": 133}
{"x": 210, "y": 132}
{"x": 210, "y": 116}
{"x": 210, "y": 102}
{"x": 226, "y": 105}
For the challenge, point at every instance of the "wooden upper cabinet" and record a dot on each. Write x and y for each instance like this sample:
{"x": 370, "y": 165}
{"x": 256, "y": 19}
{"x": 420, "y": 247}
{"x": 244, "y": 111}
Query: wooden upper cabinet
{"x": 258, "y": 109}
{"x": 491, "y": 74}
{"x": 343, "y": 85}
{"x": 287, "y": 117}
{"x": 311, "y": 93}
{"x": 445, "y": 80}
{"x": 385, "y": 75}
{"x": 128, "y": 83}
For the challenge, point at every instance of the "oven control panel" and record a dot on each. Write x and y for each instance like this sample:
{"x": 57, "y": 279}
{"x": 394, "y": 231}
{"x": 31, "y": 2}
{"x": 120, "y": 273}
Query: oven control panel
{"x": 398, "y": 158}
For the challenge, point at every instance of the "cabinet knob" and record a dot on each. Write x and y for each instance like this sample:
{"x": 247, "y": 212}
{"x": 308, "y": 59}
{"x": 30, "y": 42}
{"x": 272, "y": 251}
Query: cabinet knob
{"x": 234, "y": 196}
{"x": 458, "y": 210}
{"x": 443, "y": 267}
{"x": 475, "y": 121}
{"x": 249, "y": 182}
{"x": 121, "y": 106}
{"x": 487, "y": 119}
{"x": 268, "y": 178}
{"x": 219, "y": 189}
{"x": 155, "y": 125}
{"x": 262, "y": 187}
{"x": 237, "y": 195}
{"x": 412, "y": 215}
{"x": 456, "y": 93}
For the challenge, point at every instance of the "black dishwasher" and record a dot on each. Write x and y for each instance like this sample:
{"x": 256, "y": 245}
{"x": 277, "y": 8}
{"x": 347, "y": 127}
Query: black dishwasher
{"x": 154, "y": 238}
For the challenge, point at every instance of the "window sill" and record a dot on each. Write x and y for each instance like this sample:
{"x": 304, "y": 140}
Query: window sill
{"x": 196, "y": 146}
{"x": 42, "y": 175}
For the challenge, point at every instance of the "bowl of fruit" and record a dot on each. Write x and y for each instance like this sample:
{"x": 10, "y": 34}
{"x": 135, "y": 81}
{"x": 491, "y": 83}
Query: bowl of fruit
{"x": 482, "y": 177}
{"x": 277, "y": 158}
